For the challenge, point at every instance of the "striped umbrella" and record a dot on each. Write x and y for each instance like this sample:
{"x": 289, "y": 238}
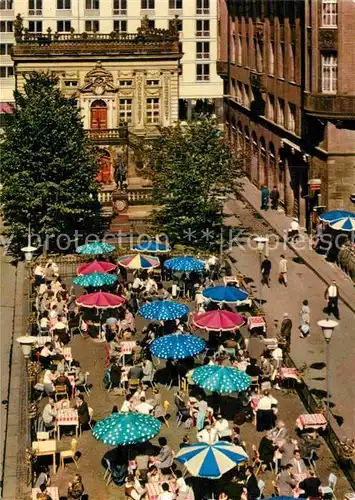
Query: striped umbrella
{"x": 211, "y": 460}
{"x": 95, "y": 267}
{"x": 138, "y": 261}
{"x": 177, "y": 346}
{"x": 163, "y": 310}
{"x": 340, "y": 220}
{"x": 184, "y": 264}
{"x": 221, "y": 379}
{"x": 95, "y": 280}
{"x": 96, "y": 248}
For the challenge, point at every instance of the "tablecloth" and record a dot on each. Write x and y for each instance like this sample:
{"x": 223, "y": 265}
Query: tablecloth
{"x": 290, "y": 373}
{"x": 42, "y": 339}
{"x": 51, "y": 490}
{"x": 127, "y": 346}
{"x": 154, "y": 489}
{"x": 256, "y": 322}
{"x": 67, "y": 353}
{"x": 312, "y": 420}
{"x": 67, "y": 416}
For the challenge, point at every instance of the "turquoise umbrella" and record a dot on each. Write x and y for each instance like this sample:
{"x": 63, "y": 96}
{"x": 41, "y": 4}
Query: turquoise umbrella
{"x": 95, "y": 280}
{"x": 221, "y": 379}
{"x": 126, "y": 428}
{"x": 177, "y": 346}
{"x": 96, "y": 248}
{"x": 163, "y": 310}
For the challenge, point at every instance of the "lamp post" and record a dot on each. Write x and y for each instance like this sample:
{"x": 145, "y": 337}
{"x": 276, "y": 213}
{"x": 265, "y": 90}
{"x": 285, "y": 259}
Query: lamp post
{"x": 327, "y": 326}
{"x": 261, "y": 241}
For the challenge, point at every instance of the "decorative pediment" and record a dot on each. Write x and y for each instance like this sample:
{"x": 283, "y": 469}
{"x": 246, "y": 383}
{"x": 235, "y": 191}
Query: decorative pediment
{"x": 99, "y": 81}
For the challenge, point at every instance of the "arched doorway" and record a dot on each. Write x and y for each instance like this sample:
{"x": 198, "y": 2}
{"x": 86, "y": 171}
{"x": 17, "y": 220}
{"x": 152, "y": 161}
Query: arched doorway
{"x": 105, "y": 168}
{"x": 264, "y": 178}
{"x": 254, "y": 165}
{"x": 98, "y": 115}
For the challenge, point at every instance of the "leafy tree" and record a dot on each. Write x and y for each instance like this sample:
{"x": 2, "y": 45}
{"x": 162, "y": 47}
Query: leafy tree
{"x": 48, "y": 167}
{"x": 192, "y": 168}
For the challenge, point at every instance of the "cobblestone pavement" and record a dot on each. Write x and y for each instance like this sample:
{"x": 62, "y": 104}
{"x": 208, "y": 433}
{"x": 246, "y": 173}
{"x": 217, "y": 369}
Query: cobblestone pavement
{"x": 91, "y": 355}
{"x": 303, "y": 284}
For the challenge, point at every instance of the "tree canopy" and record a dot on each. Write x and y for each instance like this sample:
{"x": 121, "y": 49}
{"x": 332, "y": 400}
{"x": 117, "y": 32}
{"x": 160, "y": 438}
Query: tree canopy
{"x": 48, "y": 168}
{"x": 192, "y": 168}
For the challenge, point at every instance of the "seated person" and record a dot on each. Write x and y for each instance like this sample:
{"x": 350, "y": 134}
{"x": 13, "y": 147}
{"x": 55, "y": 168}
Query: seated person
{"x": 115, "y": 373}
{"x": 46, "y": 354}
{"x": 148, "y": 370}
{"x": 153, "y": 474}
{"x": 165, "y": 457}
{"x": 140, "y": 392}
{"x": 75, "y": 487}
{"x": 79, "y": 376}
{"x": 253, "y": 369}
{"x": 48, "y": 381}
{"x": 126, "y": 405}
{"x": 144, "y": 407}
{"x": 83, "y": 410}
{"x": 208, "y": 435}
{"x": 57, "y": 344}
{"x": 166, "y": 494}
{"x": 44, "y": 323}
{"x": 136, "y": 371}
{"x": 309, "y": 442}
{"x": 133, "y": 488}
{"x": 311, "y": 486}
{"x": 63, "y": 380}
{"x": 298, "y": 463}
{"x": 266, "y": 451}
{"x": 221, "y": 425}
{"x": 49, "y": 414}
{"x": 43, "y": 477}
{"x": 279, "y": 431}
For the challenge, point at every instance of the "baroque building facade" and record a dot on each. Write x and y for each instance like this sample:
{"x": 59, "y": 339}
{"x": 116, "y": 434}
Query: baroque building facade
{"x": 288, "y": 69}
{"x": 126, "y": 87}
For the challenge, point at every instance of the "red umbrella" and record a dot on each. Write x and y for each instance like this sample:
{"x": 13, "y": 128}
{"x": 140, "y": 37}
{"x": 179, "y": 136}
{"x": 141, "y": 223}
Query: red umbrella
{"x": 100, "y": 300}
{"x": 218, "y": 320}
{"x": 95, "y": 267}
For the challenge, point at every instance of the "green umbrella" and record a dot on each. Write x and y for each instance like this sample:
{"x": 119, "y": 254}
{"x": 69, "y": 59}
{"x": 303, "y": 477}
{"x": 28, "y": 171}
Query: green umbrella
{"x": 221, "y": 379}
{"x": 96, "y": 248}
{"x": 126, "y": 428}
{"x": 95, "y": 280}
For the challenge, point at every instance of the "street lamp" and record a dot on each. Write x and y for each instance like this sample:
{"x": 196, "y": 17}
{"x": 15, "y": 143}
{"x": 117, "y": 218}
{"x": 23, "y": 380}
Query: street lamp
{"x": 327, "y": 326}
{"x": 26, "y": 342}
{"x": 261, "y": 241}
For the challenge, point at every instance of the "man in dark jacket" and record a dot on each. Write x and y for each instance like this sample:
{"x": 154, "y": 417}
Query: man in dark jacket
{"x": 274, "y": 197}
{"x": 265, "y": 271}
{"x": 311, "y": 486}
{"x": 251, "y": 484}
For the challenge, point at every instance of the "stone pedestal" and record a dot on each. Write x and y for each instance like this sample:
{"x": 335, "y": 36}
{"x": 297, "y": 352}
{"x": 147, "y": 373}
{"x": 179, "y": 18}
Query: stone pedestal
{"x": 120, "y": 221}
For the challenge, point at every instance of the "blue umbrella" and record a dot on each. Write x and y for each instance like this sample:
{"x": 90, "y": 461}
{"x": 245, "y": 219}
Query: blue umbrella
{"x": 126, "y": 428}
{"x": 221, "y": 379}
{"x": 211, "y": 460}
{"x": 227, "y": 294}
{"x": 96, "y": 248}
{"x": 340, "y": 220}
{"x": 177, "y": 346}
{"x": 95, "y": 280}
{"x": 163, "y": 310}
{"x": 184, "y": 264}
{"x": 152, "y": 247}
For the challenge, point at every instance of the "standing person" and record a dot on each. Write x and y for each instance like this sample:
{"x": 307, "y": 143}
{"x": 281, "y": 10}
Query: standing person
{"x": 285, "y": 331}
{"x": 265, "y": 271}
{"x": 274, "y": 197}
{"x": 332, "y": 296}
{"x": 251, "y": 484}
{"x": 305, "y": 319}
{"x": 83, "y": 410}
{"x": 265, "y": 195}
{"x": 283, "y": 270}
{"x": 286, "y": 481}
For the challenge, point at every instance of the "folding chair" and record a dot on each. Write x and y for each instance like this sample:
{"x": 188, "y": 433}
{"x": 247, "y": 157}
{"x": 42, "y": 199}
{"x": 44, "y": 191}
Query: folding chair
{"x": 329, "y": 490}
{"x": 84, "y": 385}
{"x": 61, "y": 390}
{"x": 166, "y": 405}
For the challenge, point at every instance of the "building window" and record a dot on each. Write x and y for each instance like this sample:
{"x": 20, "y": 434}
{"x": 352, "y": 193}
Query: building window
{"x": 202, "y": 7}
{"x": 92, "y": 4}
{"x": 178, "y": 23}
{"x": 329, "y": 13}
{"x": 70, "y": 83}
{"x": 5, "y": 49}
{"x": 233, "y": 87}
{"x": 329, "y": 73}
{"x": 126, "y": 83}
{"x": 246, "y": 98}
{"x": 202, "y": 72}
{"x": 202, "y": 50}
{"x": 291, "y": 121}
{"x": 259, "y": 56}
{"x": 6, "y": 5}
{"x": 202, "y": 27}
{"x": 271, "y": 58}
{"x": 126, "y": 110}
{"x": 281, "y": 60}
{"x": 120, "y": 7}
{"x": 120, "y": 26}
{"x": 240, "y": 50}
{"x": 271, "y": 108}
{"x": 35, "y": 7}
{"x": 147, "y": 4}
{"x": 233, "y": 41}
{"x": 35, "y": 26}
{"x": 175, "y": 4}
{"x": 291, "y": 62}
{"x": 64, "y": 4}
{"x": 6, "y": 71}
{"x": 92, "y": 26}
{"x": 239, "y": 93}
{"x": 281, "y": 112}
{"x": 247, "y": 52}
{"x": 63, "y": 26}
{"x": 152, "y": 83}
{"x": 6, "y": 26}
{"x": 153, "y": 110}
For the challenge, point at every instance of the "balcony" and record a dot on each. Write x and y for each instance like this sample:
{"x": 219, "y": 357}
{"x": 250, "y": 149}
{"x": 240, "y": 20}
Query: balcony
{"x": 258, "y": 80}
{"x": 222, "y": 68}
{"x": 330, "y": 106}
{"x": 107, "y": 135}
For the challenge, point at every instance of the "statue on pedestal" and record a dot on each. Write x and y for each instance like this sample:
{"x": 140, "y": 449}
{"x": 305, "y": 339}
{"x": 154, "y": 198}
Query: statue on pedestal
{"x": 120, "y": 172}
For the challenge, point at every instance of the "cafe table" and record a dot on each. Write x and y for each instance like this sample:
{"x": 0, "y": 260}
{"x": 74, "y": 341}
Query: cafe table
{"x": 65, "y": 417}
{"x": 311, "y": 421}
{"x": 45, "y": 448}
{"x": 51, "y": 491}
{"x": 155, "y": 489}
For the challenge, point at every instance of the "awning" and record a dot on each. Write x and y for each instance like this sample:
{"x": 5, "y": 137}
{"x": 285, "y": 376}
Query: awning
{"x": 6, "y": 107}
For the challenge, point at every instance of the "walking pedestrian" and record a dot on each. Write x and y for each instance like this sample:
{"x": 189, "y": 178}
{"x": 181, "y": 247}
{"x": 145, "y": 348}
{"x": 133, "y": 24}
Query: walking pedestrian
{"x": 332, "y": 296}
{"x": 274, "y": 197}
{"x": 285, "y": 331}
{"x": 265, "y": 196}
{"x": 305, "y": 314}
{"x": 283, "y": 270}
{"x": 265, "y": 271}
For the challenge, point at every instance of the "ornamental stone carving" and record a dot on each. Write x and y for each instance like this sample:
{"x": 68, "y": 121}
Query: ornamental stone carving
{"x": 139, "y": 96}
{"x": 328, "y": 39}
{"x": 98, "y": 81}
{"x": 166, "y": 96}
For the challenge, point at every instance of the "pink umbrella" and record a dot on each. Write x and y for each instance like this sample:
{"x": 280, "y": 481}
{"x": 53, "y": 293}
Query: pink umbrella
{"x": 100, "y": 300}
{"x": 218, "y": 320}
{"x": 95, "y": 267}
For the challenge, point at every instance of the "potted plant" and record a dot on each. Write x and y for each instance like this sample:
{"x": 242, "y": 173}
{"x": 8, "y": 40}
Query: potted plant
{"x": 346, "y": 448}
